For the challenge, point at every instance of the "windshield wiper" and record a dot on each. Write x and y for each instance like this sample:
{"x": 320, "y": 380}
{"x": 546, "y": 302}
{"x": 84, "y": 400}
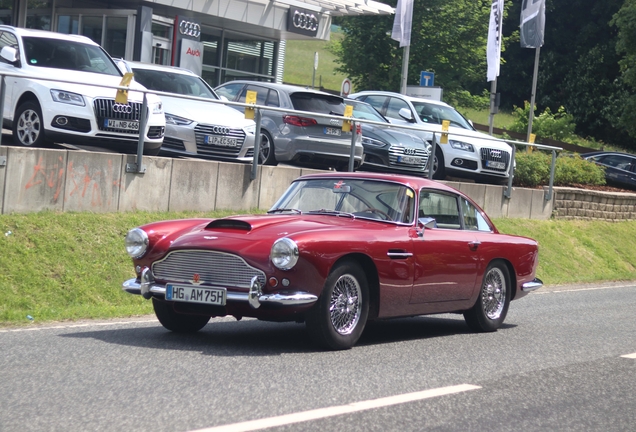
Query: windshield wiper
{"x": 332, "y": 212}
{"x": 283, "y": 210}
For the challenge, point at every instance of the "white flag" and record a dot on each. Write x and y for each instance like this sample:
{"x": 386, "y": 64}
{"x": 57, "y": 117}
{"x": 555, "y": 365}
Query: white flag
{"x": 402, "y": 23}
{"x": 532, "y": 24}
{"x": 493, "y": 46}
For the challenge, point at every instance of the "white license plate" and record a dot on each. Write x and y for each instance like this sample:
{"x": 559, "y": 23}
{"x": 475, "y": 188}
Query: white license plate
{"x": 410, "y": 160}
{"x": 196, "y": 294}
{"x": 333, "y": 131}
{"x": 221, "y": 141}
{"x": 496, "y": 165}
{"x": 121, "y": 124}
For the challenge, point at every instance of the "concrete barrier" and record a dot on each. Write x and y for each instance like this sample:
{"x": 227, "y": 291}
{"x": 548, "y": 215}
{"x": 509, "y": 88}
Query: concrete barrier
{"x": 60, "y": 180}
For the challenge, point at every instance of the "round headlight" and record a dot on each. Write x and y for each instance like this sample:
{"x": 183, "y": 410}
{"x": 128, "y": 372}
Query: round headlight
{"x": 136, "y": 242}
{"x": 284, "y": 254}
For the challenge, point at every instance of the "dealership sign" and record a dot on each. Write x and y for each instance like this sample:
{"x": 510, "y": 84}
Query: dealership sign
{"x": 303, "y": 21}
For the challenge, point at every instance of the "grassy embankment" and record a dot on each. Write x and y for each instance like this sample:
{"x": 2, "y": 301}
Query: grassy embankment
{"x": 71, "y": 265}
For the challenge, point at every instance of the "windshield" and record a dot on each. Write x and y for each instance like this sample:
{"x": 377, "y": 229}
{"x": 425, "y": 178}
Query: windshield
{"x": 365, "y": 111}
{"x": 367, "y": 199}
{"x": 69, "y": 55}
{"x": 170, "y": 82}
{"x": 434, "y": 114}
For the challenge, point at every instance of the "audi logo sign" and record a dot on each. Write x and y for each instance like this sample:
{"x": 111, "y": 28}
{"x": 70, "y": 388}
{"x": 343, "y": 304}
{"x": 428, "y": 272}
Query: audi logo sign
{"x": 495, "y": 154}
{"x": 303, "y": 21}
{"x": 189, "y": 28}
{"x": 409, "y": 151}
{"x": 220, "y": 130}
{"x": 122, "y": 109}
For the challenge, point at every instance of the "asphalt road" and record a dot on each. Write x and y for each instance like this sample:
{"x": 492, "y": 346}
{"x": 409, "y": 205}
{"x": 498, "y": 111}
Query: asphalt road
{"x": 556, "y": 365}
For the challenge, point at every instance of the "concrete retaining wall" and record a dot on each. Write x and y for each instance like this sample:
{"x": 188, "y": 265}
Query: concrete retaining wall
{"x": 60, "y": 180}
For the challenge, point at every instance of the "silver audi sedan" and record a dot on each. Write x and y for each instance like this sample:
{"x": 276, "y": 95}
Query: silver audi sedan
{"x": 299, "y": 138}
{"x": 196, "y": 127}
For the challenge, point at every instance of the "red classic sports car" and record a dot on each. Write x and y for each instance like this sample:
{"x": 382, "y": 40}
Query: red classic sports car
{"x": 335, "y": 251}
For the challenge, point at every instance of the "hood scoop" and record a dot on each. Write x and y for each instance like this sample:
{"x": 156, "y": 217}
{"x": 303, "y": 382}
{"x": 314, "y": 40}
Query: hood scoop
{"x": 229, "y": 224}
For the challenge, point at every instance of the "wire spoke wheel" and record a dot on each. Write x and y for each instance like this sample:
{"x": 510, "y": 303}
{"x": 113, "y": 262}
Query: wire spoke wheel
{"x": 345, "y": 305}
{"x": 493, "y": 293}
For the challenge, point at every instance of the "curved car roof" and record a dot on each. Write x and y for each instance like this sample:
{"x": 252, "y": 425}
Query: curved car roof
{"x": 410, "y": 98}
{"x": 412, "y": 181}
{"x": 288, "y": 88}
{"x": 48, "y": 34}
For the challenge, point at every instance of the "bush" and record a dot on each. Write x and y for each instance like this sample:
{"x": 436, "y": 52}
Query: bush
{"x": 559, "y": 126}
{"x": 533, "y": 169}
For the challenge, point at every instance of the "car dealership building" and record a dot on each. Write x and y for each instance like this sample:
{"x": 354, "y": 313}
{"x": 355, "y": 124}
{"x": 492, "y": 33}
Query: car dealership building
{"x": 220, "y": 40}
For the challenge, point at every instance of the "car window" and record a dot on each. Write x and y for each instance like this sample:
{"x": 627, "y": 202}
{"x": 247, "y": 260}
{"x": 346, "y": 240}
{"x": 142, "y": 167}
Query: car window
{"x": 365, "y": 112}
{"x": 395, "y": 105}
{"x": 617, "y": 161}
{"x": 314, "y": 102}
{"x": 435, "y": 114}
{"x": 170, "y": 82}
{"x": 376, "y": 102}
{"x": 69, "y": 55}
{"x": 261, "y": 94}
{"x": 230, "y": 91}
{"x": 8, "y": 39}
{"x": 272, "y": 99}
{"x": 473, "y": 219}
{"x": 441, "y": 207}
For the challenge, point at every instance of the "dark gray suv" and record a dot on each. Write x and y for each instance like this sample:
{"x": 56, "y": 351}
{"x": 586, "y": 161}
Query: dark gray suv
{"x": 294, "y": 138}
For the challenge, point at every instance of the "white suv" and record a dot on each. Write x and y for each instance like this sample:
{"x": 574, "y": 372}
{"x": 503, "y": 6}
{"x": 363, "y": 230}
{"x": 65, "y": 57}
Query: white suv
{"x": 472, "y": 154}
{"x": 81, "y": 112}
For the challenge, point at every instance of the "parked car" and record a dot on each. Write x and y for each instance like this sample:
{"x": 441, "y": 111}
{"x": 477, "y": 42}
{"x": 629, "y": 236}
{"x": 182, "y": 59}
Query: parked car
{"x": 79, "y": 112}
{"x": 336, "y": 250}
{"x": 304, "y": 139}
{"x": 473, "y": 154}
{"x": 193, "y": 127}
{"x": 620, "y": 168}
{"x": 389, "y": 149}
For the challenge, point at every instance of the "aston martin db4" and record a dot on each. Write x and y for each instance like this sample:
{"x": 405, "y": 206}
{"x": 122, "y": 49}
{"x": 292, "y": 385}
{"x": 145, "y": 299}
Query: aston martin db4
{"x": 336, "y": 251}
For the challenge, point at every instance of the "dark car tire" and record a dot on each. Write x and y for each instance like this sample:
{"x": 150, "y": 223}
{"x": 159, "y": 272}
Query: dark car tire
{"x": 267, "y": 154}
{"x": 338, "y": 318}
{"x": 439, "y": 169}
{"x": 28, "y": 125}
{"x": 491, "y": 307}
{"x": 176, "y": 322}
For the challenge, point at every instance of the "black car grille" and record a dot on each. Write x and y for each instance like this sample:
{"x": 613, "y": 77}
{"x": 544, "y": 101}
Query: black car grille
{"x": 214, "y": 268}
{"x": 156, "y": 131}
{"x": 397, "y": 152}
{"x": 202, "y": 130}
{"x": 104, "y": 110}
{"x": 173, "y": 143}
{"x": 495, "y": 155}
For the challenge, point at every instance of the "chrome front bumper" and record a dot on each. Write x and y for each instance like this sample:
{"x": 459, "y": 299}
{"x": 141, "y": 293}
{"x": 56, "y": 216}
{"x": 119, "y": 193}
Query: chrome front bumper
{"x": 254, "y": 297}
{"x": 532, "y": 285}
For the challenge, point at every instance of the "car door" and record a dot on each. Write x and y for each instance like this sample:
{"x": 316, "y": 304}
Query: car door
{"x": 447, "y": 256}
{"x": 618, "y": 168}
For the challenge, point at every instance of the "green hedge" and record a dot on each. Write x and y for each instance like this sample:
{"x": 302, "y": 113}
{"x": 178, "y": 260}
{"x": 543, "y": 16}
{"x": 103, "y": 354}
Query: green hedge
{"x": 533, "y": 169}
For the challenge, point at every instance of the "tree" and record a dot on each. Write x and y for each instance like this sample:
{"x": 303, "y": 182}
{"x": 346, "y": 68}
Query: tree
{"x": 625, "y": 103}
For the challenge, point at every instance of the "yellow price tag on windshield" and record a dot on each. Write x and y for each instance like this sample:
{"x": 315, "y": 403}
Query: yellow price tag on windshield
{"x": 348, "y": 112}
{"x": 250, "y": 98}
{"x": 444, "y": 138}
{"x": 122, "y": 95}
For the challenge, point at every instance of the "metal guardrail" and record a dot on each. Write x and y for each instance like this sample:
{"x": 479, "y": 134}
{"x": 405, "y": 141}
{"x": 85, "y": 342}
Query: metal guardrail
{"x": 138, "y": 168}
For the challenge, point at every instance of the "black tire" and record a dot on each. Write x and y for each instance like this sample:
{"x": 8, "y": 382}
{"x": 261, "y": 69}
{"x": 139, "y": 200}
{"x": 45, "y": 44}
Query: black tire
{"x": 267, "y": 154}
{"x": 28, "y": 125}
{"x": 338, "y": 318}
{"x": 439, "y": 170}
{"x": 176, "y": 322}
{"x": 491, "y": 307}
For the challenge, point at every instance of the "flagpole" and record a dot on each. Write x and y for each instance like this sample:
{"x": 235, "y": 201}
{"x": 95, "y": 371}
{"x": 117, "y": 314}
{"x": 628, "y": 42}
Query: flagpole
{"x": 493, "y": 98}
{"x": 405, "y": 69}
{"x": 534, "y": 91}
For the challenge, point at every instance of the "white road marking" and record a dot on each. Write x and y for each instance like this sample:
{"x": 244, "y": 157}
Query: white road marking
{"x": 338, "y": 410}
{"x": 69, "y": 326}
{"x": 629, "y": 356}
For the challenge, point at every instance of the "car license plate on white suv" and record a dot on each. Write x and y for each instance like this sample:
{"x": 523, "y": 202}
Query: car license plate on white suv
{"x": 121, "y": 124}
{"x": 333, "y": 131}
{"x": 221, "y": 141}
{"x": 496, "y": 165}
{"x": 410, "y": 160}
{"x": 196, "y": 294}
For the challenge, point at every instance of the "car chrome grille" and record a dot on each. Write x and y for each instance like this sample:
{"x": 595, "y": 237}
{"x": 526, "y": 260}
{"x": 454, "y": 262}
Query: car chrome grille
{"x": 201, "y": 130}
{"x": 495, "y": 155}
{"x": 104, "y": 110}
{"x": 214, "y": 268}
{"x": 396, "y": 151}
